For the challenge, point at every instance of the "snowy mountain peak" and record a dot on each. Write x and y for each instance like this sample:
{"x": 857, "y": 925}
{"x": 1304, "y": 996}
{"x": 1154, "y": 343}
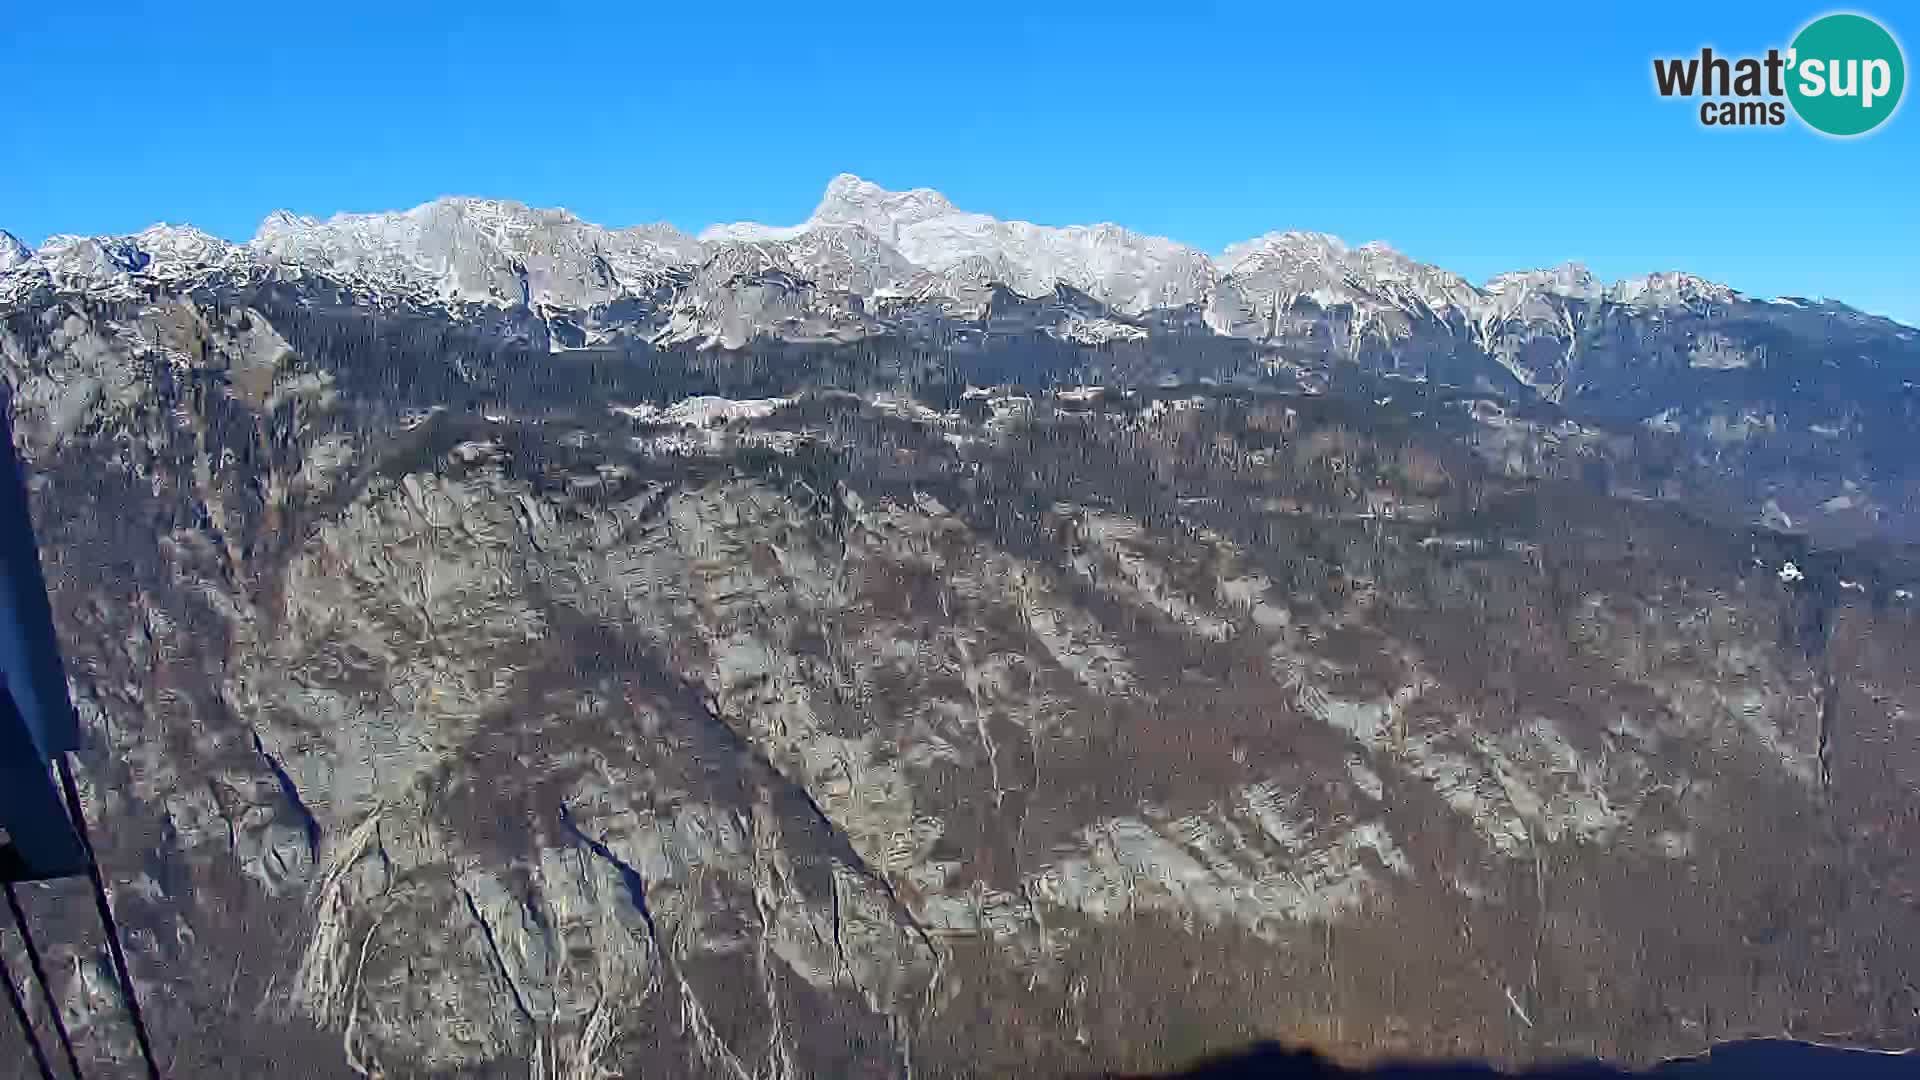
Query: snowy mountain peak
{"x": 1273, "y": 271}
{"x": 1574, "y": 281}
{"x": 176, "y": 250}
{"x": 1669, "y": 289}
{"x": 281, "y": 222}
{"x": 13, "y": 252}
{"x": 953, "y": 247}
{"x": 1570, "y": 279}
{"x": 67, "y": 257}
{"x": 473, "y": 250}
{"x": 1291, "y": 246}
{"x": 850, "y": 200}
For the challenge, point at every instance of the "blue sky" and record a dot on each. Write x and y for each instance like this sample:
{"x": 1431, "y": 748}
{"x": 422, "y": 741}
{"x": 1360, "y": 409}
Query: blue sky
{"x": 1511, "y": 136}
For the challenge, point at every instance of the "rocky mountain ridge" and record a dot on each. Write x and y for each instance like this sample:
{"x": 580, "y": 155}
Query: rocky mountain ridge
{"x": 861, "y": 239}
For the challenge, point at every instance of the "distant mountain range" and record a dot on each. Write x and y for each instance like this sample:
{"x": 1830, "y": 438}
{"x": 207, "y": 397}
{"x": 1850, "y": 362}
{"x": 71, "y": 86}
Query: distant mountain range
{"x": 1800, "y": 409}
{"x": 890, "y": 249}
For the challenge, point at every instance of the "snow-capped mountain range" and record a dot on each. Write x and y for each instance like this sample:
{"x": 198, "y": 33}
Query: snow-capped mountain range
{"x": 1669, "y": 352}
{"x": 865, "y": 249}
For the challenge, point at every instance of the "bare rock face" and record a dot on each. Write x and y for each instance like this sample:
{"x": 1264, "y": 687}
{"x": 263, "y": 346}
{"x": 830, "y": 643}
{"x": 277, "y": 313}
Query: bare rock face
{"x": 460, "y": 707}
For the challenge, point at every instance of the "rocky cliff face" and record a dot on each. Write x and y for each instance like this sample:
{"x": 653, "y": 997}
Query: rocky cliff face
{"x": 463, "y": 705}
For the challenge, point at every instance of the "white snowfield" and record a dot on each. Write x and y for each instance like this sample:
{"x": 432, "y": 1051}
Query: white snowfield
{"x": 703, "y": 411}
{"x": 862, "y": 240}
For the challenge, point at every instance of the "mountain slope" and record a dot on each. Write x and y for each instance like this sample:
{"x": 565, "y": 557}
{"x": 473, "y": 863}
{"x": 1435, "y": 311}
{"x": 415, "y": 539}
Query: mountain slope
{"x": 461, "y": 707}
{"x": 914, "y": 642}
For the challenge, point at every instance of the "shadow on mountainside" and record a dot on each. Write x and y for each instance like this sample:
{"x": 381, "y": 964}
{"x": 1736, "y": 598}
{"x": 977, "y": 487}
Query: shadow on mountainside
{"x": 1766, "y": 1059}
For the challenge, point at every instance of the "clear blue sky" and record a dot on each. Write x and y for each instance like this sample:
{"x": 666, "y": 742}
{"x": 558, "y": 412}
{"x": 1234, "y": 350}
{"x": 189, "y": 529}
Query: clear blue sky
{"x": 1521, "y": 135}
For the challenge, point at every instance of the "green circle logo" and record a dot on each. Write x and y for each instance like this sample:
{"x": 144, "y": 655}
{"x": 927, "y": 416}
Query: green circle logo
{"x": 1845, "y": 74}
